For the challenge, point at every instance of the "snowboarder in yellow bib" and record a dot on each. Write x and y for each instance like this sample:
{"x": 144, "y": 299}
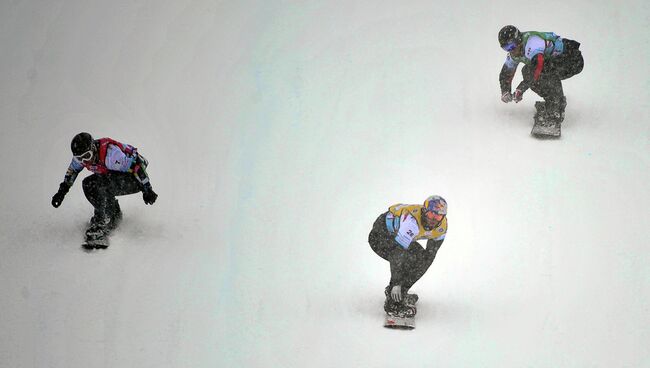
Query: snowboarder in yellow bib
{"x": 394, "y": 237}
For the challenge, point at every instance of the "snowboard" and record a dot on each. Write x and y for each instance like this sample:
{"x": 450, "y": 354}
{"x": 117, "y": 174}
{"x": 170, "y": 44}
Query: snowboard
{"x": 402, "y": 323}
{"x": 542, "y": 128}
{"x": 399, "y": 323}
{"x": 92, "y": 244}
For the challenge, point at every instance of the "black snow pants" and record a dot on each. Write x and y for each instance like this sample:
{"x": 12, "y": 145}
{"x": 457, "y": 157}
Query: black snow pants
{"x": 556, "y": 69}
{"x": 406, "y": 265}
{"x": 101, "y": 190}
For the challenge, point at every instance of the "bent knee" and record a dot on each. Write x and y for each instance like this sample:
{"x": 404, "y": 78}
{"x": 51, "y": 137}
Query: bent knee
{"x": 90, "y": 183}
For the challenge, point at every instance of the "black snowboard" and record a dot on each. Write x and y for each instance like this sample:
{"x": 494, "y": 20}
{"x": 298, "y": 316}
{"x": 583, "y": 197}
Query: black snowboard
{"x": 99, "y": 243}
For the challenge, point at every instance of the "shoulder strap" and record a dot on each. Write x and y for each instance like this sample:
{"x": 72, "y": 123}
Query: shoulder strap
{"x": 546, "y": 36}
{"x": 103, "y": 146}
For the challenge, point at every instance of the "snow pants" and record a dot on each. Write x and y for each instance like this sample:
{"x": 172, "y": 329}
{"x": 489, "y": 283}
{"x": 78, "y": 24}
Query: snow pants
{"x": 101, "y": 190}
{"x": 406, "y": 265}
{"x": 556, "y": 69}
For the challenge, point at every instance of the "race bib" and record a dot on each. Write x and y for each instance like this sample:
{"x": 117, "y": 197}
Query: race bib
{"x": 408, "y": 230}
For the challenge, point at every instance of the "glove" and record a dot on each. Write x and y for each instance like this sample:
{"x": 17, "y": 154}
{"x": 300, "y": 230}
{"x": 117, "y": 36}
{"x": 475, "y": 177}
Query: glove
{"x": 506, "y": 97}
{"x": 396, "y": 293}
{"x": 148, "y": 195}
{"x": 58, "y": 197}
{"x": 518, "y": 95}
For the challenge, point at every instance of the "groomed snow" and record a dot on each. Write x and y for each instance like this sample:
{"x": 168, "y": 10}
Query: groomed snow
{"x": 277, "y": 132}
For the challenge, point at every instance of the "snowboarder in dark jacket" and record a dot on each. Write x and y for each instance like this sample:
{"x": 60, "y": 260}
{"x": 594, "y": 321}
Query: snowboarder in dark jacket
{"x": 548, "y": 59}
{"x": 118, "y": 169}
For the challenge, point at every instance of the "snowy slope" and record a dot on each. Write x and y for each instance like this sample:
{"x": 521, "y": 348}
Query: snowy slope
{"x": 277, "y": 132}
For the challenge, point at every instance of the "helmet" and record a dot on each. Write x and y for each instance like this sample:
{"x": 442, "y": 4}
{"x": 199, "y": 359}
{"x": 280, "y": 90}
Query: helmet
{"x": 435, "y": 204}
{"x": 81, "y": 143}
{"x": 433, "y": 212}
{"x": 509, "y": 37}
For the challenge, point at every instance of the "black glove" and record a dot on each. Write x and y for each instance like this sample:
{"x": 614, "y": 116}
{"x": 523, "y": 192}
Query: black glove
{"x": 58, "y": 197}
{"x": 148, "y": 195}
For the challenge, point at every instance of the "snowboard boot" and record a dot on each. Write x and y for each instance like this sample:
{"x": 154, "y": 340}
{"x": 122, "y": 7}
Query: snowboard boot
{"x": 97, "y": 233}
{"x": 404, "y": 309}
{"x": 559, "y": 111}
{"x": 411, "y": 299}
{"x": 554, "y": 110}
{"x": 399, "y": 309}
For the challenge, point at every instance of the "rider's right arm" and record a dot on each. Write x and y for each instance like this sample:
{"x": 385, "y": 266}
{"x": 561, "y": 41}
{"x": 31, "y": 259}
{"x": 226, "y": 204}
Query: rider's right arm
{"x": 74, "y": 169}
{"x": 507, "y": 74}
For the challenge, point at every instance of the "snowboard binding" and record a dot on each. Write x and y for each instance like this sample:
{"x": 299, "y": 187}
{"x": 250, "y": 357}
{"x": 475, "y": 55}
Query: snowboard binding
{"x": 96, "y": 237}
{"x": 402, "y": 309}
{"x": 98, "y": 231}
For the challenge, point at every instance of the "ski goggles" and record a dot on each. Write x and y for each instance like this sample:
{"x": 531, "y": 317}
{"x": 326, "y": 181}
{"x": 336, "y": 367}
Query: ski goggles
{"x": 86, "y": 156}
{"x": 432, "y": 216}
{"x": 509, "y": 46}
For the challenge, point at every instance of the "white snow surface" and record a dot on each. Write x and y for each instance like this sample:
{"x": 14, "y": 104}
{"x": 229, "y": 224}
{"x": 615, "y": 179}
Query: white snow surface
{"x": 277, "y": 131}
